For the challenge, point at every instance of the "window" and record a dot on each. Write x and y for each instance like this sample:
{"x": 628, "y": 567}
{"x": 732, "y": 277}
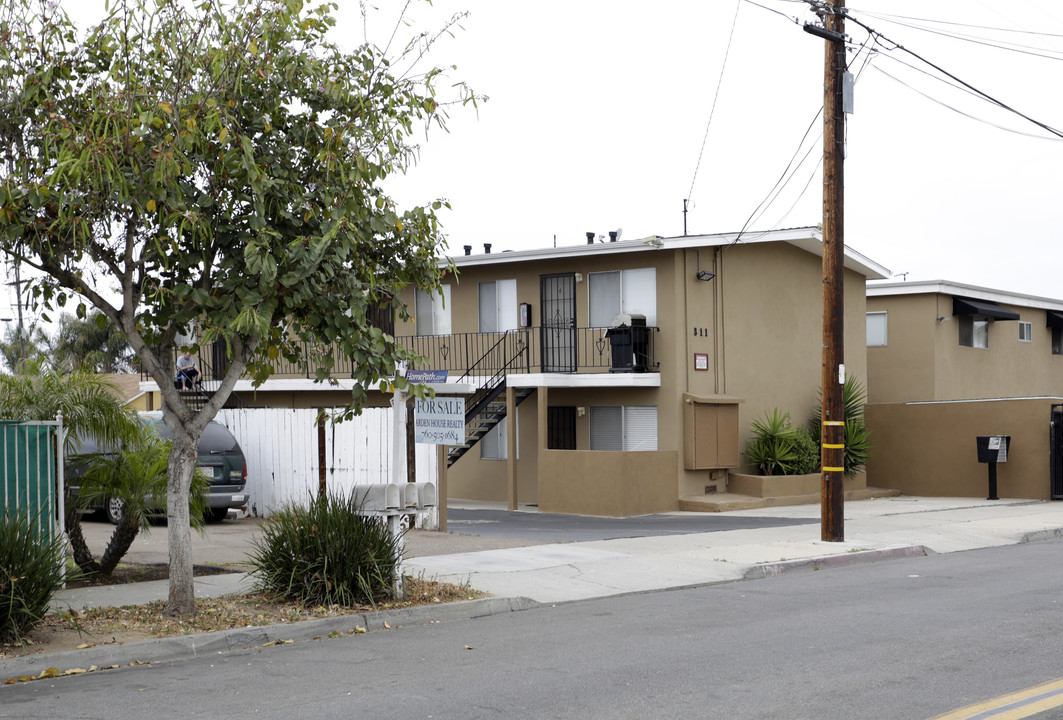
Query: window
{"x": 974, "y": 331}
{"x": 1025, "y": 332}
{"x": 626, "y": 428}
{"x": 433, "y": 312}
{"x": 1057, "y": 341}
{"x": 498, "y": 305}
{"x": 623, "y": 291}
{"x": 876, "y": 329}
{"x": 495, "y": 444}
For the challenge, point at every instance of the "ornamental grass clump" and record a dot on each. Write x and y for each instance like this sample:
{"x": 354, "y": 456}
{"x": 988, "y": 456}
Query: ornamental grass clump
{"x": 325, "y": 553}
{"x": 31, "y": 571}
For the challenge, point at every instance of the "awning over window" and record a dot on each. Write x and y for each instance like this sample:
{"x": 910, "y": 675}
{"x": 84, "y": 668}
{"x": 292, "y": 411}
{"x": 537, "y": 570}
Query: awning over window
{"x": 1054, "y": 319}
{"x": 963, "y": 306}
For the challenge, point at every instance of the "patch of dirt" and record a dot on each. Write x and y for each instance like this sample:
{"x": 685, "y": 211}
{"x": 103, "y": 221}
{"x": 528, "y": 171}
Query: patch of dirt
{"x": 110, "y": 626}
{"x": 143, "y": 573}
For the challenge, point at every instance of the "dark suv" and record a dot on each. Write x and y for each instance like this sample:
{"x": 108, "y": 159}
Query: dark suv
{"x": 219, "y": 455}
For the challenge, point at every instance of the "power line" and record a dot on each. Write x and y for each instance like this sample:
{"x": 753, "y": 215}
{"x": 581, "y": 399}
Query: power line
{"x": 1034, "y": 51}
{"x": 712, "y": 110}
{"x": 984, "y": 95}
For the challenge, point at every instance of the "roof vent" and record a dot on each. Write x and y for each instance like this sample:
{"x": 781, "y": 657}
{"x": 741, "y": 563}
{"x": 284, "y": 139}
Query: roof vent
{"x": 468, "y": 249}
{"x": 487, "y": 248}
{"x": 590, "y": 238}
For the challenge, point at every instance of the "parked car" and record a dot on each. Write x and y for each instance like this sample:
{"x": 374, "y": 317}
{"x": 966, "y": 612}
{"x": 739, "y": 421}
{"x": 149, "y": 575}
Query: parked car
{"x": 220, "y": 457}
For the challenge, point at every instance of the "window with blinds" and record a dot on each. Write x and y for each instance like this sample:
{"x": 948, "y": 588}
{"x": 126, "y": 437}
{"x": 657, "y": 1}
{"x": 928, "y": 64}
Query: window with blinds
{"x": 623, "y": 428}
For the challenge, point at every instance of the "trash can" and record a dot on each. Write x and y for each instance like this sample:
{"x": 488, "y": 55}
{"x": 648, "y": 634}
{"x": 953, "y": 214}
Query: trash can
{"x": 629, "y": 344}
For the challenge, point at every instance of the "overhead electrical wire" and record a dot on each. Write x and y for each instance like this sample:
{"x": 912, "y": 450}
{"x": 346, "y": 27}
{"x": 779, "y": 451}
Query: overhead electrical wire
{"x": 985, "y": 96}
{"x": 712, "y": 110}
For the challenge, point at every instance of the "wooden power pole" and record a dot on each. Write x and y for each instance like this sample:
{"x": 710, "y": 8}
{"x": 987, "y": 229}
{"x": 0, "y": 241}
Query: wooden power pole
{"x": 832, "y": 517}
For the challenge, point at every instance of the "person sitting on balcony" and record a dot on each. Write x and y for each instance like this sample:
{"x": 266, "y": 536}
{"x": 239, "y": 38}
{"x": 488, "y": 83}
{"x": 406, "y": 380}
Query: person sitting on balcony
{"x": 187, "y": 373}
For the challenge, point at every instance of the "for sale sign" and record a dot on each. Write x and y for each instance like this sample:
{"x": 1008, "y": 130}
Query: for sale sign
{"x": 439, "y": 421}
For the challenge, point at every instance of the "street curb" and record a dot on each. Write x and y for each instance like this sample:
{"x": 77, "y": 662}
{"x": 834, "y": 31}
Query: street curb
{"x": 224, "y": 641}
{"x": 830, "y": 561}
{"x": 1039, "y": 535}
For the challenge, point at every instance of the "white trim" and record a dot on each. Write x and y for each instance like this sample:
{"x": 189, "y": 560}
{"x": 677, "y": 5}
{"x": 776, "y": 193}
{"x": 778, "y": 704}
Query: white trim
{"x": 305, "y": 385}
{"x": 809, "y": 239}
{"x": 975, "y": 292}
{"x": 584, "y": 380}
{"x": 977, "y": 400}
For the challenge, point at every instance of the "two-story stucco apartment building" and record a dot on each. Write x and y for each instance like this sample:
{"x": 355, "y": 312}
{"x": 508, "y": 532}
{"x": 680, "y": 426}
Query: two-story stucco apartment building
{"x": 949, "y": 362}
{"x": 714, "y": 331}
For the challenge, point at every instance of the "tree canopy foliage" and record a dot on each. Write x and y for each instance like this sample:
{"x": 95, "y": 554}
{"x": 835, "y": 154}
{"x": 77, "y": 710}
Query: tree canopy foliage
{"x": 214, "y": 169}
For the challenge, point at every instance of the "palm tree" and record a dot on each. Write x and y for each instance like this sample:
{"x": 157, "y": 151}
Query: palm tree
{"x": 24, "y": 344}
{"x": 135, "y": 477}
{"x": 88, "y": 406}
{"x": 94, "y": 342}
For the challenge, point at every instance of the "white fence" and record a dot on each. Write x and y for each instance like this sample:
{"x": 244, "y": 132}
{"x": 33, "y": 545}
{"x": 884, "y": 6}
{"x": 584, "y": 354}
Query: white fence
{"x": 281, "y": 448}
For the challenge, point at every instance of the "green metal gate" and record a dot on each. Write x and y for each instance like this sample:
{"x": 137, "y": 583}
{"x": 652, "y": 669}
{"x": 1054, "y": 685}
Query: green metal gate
{"x": 33, "y": 473}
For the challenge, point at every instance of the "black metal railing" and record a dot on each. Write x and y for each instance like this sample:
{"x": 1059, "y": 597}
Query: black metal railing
{"x": 526, "y": 350}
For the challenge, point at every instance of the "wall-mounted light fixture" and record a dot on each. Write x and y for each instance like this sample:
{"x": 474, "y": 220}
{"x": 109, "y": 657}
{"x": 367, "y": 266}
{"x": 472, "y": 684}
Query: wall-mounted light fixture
{"x": 581, "y": 411}
{"x": 579, "y": 277}
{"x": 705, "y": 275}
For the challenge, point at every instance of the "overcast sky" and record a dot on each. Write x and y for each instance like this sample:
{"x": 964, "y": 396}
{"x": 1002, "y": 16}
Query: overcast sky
{"x": 598, "y": 118}
{"x": 598, "y": 113}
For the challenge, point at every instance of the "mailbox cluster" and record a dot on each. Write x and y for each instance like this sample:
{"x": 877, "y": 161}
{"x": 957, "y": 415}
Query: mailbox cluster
{"x": 395, "y": 498}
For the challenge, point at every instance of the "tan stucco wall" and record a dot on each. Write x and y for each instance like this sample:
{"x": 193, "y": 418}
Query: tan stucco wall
{"x": 773, "y": 309}
{"x": 608, "y": 483}
{"x": 924, "y": 360}
{"x": 929, "y": 449}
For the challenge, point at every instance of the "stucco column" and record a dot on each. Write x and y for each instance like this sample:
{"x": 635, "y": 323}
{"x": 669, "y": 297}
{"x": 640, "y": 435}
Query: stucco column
{"x": 511, "y": 444}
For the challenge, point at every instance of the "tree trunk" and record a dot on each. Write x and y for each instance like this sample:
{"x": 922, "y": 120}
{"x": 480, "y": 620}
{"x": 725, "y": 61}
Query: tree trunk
{"x": 122, "y": 537}
{"x": 82, "y": 555}
{"x": 182, "y": 600}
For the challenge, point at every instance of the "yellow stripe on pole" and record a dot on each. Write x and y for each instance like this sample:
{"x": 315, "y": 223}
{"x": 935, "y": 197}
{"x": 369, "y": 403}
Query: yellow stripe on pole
{"x": 830, "y": 469}
{"x": 836, "y": 423}
{"x": 833, "y": 446}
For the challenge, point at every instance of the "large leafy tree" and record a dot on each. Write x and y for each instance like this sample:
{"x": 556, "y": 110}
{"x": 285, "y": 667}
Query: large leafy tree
{"x": 215, "y": 170}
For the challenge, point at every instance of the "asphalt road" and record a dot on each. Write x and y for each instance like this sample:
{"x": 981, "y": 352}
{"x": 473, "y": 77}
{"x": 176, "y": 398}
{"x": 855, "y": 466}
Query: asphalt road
{"x": 546, "y": 527}
{"x": 899, "y": 639}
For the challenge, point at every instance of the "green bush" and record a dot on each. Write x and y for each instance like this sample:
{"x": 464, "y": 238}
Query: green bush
{"x": 325, "y": 554}
{"x": 806, "y": 453}
{"x": 31, "y": 571}
{"x": 771, "y": 451}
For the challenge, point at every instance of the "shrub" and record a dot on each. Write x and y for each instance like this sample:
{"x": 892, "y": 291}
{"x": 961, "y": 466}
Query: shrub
{"x": 31, "y": 570}
{"x": 806, "y": 453}
{"x": 325, "y": 554}
{"x": 771, "y": 451}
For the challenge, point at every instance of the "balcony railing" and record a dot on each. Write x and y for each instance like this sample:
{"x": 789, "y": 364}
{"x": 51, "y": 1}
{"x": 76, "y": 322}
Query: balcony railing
{"x": 526, "y": 350}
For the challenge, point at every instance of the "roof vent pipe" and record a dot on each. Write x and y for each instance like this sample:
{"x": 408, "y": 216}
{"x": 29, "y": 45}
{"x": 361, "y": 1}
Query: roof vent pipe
{"x": 590, "y": 238}
{"x": 612, "y": 235}
{"x": 468, "y": 249}
{"x": 487, "y": 248}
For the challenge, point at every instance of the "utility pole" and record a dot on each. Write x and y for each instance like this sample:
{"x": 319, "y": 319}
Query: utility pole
{"x": 832, "y": 514}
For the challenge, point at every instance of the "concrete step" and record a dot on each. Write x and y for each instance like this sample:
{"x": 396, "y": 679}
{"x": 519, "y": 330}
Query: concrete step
{"x": 724, "y": 502}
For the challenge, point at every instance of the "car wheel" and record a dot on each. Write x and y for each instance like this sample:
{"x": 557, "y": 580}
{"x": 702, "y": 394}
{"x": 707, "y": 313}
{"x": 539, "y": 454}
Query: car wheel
{"x": 216, "y": 515}
{"x": 113, "y": 509}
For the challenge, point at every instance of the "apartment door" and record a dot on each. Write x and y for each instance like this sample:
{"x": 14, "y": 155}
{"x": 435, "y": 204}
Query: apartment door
{"x": 557, "y": 294}
{"x": 1055, "y": 441}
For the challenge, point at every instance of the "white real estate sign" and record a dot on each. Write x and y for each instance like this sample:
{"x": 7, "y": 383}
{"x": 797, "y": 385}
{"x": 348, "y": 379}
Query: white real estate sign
{"x": 439, "y": 421}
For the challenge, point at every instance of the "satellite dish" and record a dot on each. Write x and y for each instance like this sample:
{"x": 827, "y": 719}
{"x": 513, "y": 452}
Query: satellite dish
{"x": 619, "y": 232}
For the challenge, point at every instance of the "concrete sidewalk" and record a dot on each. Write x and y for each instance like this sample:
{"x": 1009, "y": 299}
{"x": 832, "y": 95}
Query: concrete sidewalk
{"x": 874, "y": 530}
{"x": 520, "y": 573}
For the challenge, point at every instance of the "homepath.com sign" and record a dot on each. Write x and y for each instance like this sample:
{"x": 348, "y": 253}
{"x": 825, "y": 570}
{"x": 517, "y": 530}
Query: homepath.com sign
{"x": 439, "y": 421}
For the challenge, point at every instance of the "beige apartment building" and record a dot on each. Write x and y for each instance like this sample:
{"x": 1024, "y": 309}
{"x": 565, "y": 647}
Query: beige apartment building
{"x": 948, "y": 363}
{"x": 618, "y": 377}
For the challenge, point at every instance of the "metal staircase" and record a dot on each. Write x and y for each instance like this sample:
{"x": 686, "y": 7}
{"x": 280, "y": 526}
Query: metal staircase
{"x": 487, "y": 406}
{"x": 198, "y": 396}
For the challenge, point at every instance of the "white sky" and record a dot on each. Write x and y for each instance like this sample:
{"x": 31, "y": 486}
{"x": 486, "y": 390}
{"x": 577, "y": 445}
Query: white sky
{"x": 598, "y": 109}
